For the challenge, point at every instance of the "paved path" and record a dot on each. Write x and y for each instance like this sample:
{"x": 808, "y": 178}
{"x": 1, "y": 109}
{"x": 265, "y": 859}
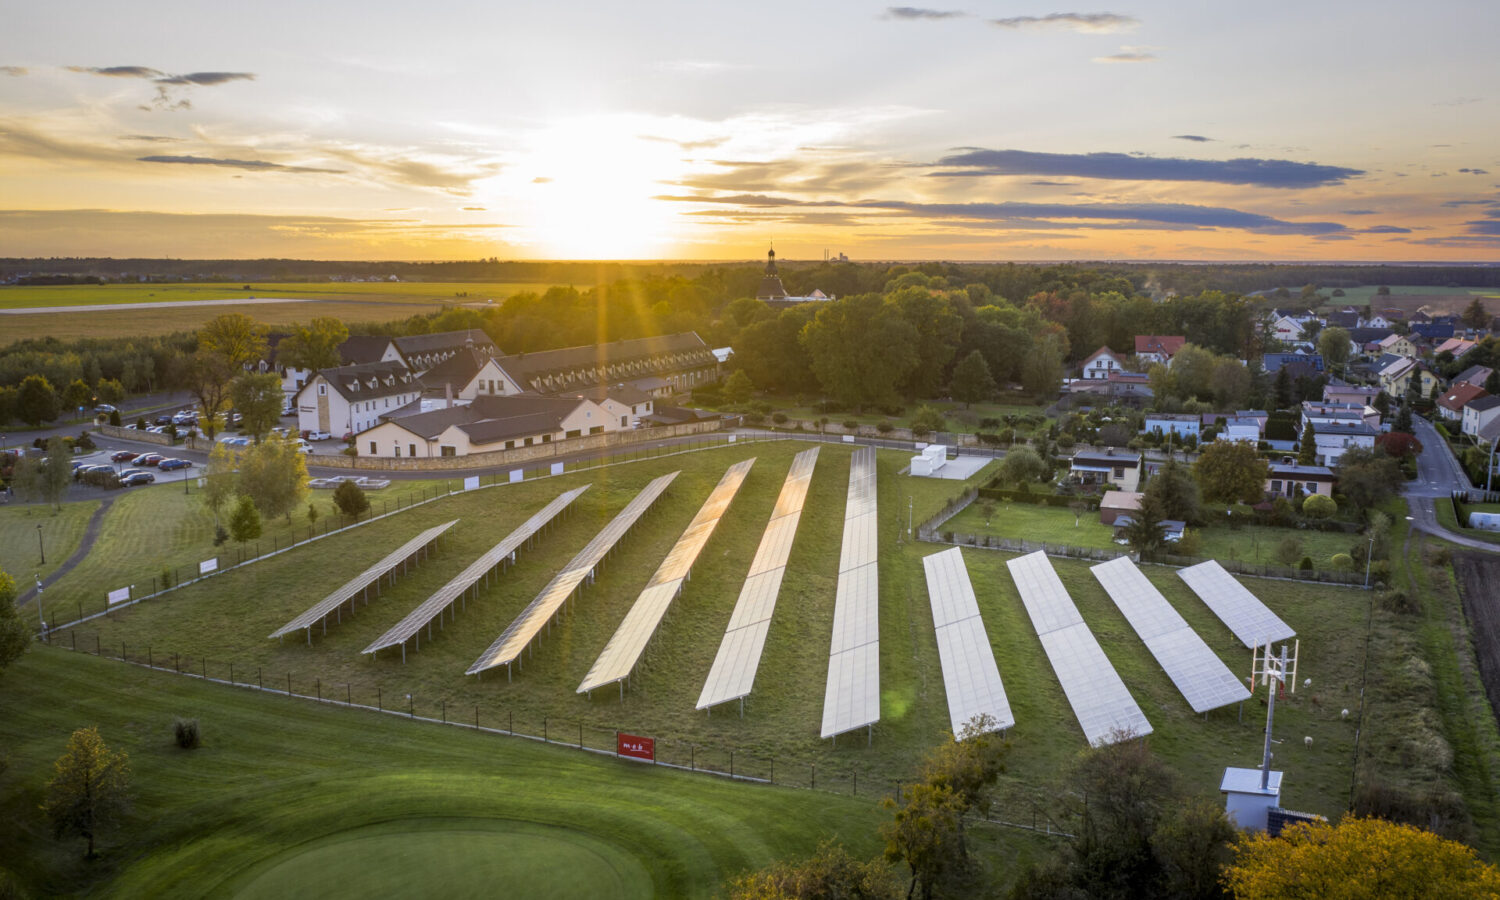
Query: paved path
{"x": 90, "y": 535}
{"x": 1439, "y": 474}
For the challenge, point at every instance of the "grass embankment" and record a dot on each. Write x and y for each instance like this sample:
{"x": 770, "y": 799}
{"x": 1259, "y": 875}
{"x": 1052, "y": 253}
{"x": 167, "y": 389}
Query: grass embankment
{"x": 1254, "y": 544}
{"x": 148, "y": 529}
{"x": 286, "y": 796}
{"x": 61, "y": 531}
{"x": 226, "y": 620}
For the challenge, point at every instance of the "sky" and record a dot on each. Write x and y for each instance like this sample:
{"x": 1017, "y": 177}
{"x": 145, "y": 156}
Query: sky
{"x": 982, "y": 130}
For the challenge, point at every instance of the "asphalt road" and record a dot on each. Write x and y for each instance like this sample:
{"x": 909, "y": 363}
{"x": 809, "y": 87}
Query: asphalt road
{"x": 1438, "y": 476}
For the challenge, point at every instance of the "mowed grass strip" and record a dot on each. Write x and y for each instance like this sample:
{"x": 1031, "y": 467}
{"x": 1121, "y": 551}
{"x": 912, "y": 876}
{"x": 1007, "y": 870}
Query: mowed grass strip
{"x": 149, "y": 529}
{"x": 24, "y": 296}
{"x": 226, "y": 620}
{"x": 277, "y": 776}
{"x": 61, "y": 532}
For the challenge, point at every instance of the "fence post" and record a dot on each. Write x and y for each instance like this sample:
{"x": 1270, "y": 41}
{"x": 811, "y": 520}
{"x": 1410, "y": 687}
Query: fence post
{"x": 289, "y": 684}
{"x": 379, "y": 701}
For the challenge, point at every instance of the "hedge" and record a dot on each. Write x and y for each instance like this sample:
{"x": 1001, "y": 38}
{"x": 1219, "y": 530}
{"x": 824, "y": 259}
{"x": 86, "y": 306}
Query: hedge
{"x": 1036, "y": 499}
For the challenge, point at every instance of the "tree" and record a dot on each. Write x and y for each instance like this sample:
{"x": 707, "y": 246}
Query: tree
{"x": 110, "y": 390}
{"x": 36, "y": 402}
{"x": 1476, "y": 316}
{"x": 227, "y": 345}
{"x": 1021, "y": 466}
{"x": 89, "y": 790}
{"x": 1230, "y": 472}
{"x": 9, "y": 396}
{"x": 314, "y": 346}
{"x": 15, "y": 636}
{"x": 1144, "y": 530}
{"x": 937, "y": 329}
{"x": 738, "y": 387}
{"x": 1283, "y": 388}
{"x": 208, "y": 377}
{"x": 56, "y": 472}
{"x": 1368, "y": 477}
{"x": 244, "y": 522}
{"x": 1041, "y": 372}
{"x": 350, "y": 498}
{"x": 1175, "y": 492}
{"x": 923, "y": 834}
{"x": 972, "y": 380}
{"x": 1333, "y": 344}
{"x": 1307, "y": 450}
{"x": 1383, "y": 291}
{"x": 1319, "y": 506}
{"x": 927, "y": 420}
{"x": 861, "y": 350}
{"x": 829, "y": 873}
{"x": 1231, "y": 384}
{"x": 274, "y": 474}
{"x": 218, "y": 479}
{"x": 258, "y": 398}
{"x": 77, "y": 395}
{"x": 1357, "y": 858}
{"x": 1289, "y": 551}
{"x": 1492, "y": 382}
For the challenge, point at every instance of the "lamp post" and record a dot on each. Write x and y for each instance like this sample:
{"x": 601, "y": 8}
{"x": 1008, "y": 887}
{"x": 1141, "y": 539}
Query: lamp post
{"x": 39, "y": 616}
{"x": 910, "y": 500}
{"x": 1369, "y": 555}
{"x": 41, "y": 550}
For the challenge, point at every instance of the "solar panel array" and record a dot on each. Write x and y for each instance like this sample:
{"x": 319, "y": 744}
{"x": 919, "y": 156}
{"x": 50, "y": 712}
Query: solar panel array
{"x": 732, "y": 675}
{"x": 1205, "y": 682}
{"x": 1246, "y": 616}
{"x": 1100, "y": 701}
{"x": 624, "y": 649}
{"x": 851, "y": 698}
{"x": 361, "y": 581}
{"x": 520, "y": 633}
{"x": 450, "y": 592}
{"x": 970, "y": 675}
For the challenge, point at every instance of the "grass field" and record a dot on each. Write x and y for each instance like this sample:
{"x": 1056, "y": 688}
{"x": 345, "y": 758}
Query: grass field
{"x": 363, "y": 302}
{"x": 1254, "y": 544}
{"x": 225, "y": 621}
{"x": 1456, "y": 298}
{"x": 286, "y": 797}
{"x": 62, "y": 529}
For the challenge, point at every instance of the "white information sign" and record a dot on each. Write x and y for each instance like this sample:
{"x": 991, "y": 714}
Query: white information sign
{"x": 732, "y": 437}
{"x": 515, "y": 475}
{"x": 208, "y": 565}
{"x": 119, "y": 596}
{"x": 557, "y": 468}
{"x": 848, "y": 438}
{"x": 471, "y": 483}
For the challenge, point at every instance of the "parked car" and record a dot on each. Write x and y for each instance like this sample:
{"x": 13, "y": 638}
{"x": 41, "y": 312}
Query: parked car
{"x": 124, "y": 473}
{"x": 303, "y": 446}
{"x": 104, "y": 408}
{"x": 148, "y": 459}
{"x": 136, "y": 478}
{"x": 80, "y": 471}
{"x": 162, "y": 420}
{"x": 317, "y": 435}
{"x": 123, "y": 455}
{"x": 167, "y": 465}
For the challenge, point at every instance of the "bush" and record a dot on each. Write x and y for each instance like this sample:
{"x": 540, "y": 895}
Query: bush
{"x": 10, "y": 886}
{"x": 1319, "y": 506}
{"x": 779, "y": 418}
{"x": 350, "y": 498}
{"x": 220, "y": 535}
{"x": 1190, "y": 544}
{"x": 1288, "y": 551}
{"x": 1343, "y": 562}
{"x": 851, "y": 426}
{"x": 1400, "y": 603}
{"x": 166, "y": 577}
{"x": 884, "y": 427}
{"x": 1306, "y": 565}
{"x": 186, "y": 733}
{"x": 114, "y": 418}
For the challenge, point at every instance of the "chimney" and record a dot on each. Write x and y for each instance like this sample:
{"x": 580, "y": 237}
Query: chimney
{"x": 448, "y": 395}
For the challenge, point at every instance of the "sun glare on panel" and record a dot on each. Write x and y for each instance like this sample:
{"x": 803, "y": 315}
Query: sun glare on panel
{"x": 590, "y": 194}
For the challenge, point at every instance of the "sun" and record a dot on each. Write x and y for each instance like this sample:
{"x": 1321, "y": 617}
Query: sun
{"x": 586, "y": 186}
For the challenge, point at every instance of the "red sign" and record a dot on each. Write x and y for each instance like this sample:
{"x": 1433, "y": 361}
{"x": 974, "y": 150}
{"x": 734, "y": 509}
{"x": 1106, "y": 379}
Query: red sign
{"x": 634, "y": 746}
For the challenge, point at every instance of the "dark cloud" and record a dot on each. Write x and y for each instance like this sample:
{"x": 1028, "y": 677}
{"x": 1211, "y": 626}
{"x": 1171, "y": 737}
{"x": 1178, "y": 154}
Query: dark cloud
{"x": 1196, "y": 138}
{"x": 1052, "y": 183}
{"x": 910, "y": 13}
{"x": 1484, "y": 226}
{"x": 13, "y": 71}
{"x": 254, "y": 165}
{"x": 1456, "y": 203}
{"x": 150, "y": 138}
{"x": 1356, "y": 212}
{"x": 1175, "y": 215}
{"x": 164, "y": 102}
{"x": 1277, "y": 173}
{"x": 1385, "y": 229}
{"x": 1474, "y": 171}
{"x": 1127, "y": 56}
{"x": 119, "y": 71}
{"x": 206, "y": 78}
{"x": 1096, "y": 23}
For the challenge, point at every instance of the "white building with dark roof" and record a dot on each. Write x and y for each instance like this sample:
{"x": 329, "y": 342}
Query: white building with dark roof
{"x": 488, "y": 424}
{"x": 349, "y": 399}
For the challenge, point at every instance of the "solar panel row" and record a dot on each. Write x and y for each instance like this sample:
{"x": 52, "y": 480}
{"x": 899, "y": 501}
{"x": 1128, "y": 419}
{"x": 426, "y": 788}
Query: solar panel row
{"x": 851, "y": 697}
{"x": 732, "y": 675}
{"x": 1246, "y": 616}
{"x": 523, "y": 630}
{"x": 447, "y": 594}
{"x": 1202, "y": 678}
{"x": 1099, "y": 699}
{"x": 361, "y": 581}
{"x": 624, "y": 649}
{"x": 970, "y": 676}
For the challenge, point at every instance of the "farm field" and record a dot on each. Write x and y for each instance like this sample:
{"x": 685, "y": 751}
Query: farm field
{"x": 23, "y": 296}
{"x": 1409, "y": 297}
{"x": 224, "y": 622}
{"x": 286, "y": 796}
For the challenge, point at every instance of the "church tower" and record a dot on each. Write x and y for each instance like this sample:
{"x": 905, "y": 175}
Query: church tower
{"x": 771, "y": 287}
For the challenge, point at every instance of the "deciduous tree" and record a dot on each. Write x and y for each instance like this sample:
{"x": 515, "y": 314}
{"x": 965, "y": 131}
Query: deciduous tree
{"x": 1021, "y": 466}
{"x": 89, "y": 790}
{"x": 861, "y": 350}
{"x": 1175, "y": 491}
{"x": 244, "y": 522}
{"x": 258, "y": 398}
{"x": 1230, "y": 472}
{"x": 1368, "y": 477}
{"x": 830, "y": 873}
{"x": 972, "y": 381}
{"x": 738, "y": 387}
{"x": 56, "y": 473}
{"x": 218, "y": 478}
{"x": 314, "y": 346}
{"x": 1475, "y": 315}
{"x": 274, "y": 474}
{"x": 350, "y": 498}
{"x": 77, "y": 394}
{"x": 15, "y": 636}
{"x": 1333, "y": 344}
{"x": 36, "y": 401}
{"x": 1356, "y": 859}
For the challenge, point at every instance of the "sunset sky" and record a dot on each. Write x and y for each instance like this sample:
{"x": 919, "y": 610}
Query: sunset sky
{"x": 986, "y": 130}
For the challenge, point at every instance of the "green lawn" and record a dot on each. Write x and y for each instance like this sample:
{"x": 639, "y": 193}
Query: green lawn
{"x": 62, "y": 529}
{"x": 1257, "y": 544}
{"x": 20, "y": 297}
{"x": 226, "y": 619}
{"x": 287, "y": 796}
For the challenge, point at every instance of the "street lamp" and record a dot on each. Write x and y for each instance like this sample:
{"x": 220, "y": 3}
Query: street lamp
{"x": 1369, "y": 555}
{"x": 39, "y": 617}
{"x": 40, "y": 549}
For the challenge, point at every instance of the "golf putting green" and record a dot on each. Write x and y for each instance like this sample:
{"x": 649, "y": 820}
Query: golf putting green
{"x": 450, "y": 858}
